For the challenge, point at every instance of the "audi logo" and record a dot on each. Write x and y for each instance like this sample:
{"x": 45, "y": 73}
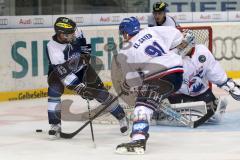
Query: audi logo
{"x": 115, "y": 18}
{"x": 3, "y": 21}
{"x": 38, "y": 21}
{"x": 226, "y": 48}
{"x": 79, "y": 19}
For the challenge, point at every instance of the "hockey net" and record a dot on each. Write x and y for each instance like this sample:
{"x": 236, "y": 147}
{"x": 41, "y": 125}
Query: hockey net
{"x": 203, "y": 35}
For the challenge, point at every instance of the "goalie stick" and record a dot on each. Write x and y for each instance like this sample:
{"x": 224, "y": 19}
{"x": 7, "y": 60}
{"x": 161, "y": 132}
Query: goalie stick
{"x": 203, "y": 119}
{"x": 71, "y": 135}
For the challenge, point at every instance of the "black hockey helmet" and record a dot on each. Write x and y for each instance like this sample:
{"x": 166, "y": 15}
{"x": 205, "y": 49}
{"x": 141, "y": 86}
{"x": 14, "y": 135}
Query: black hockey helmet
{"x": 160, "y": 7}
{"x": 64, "y": 25}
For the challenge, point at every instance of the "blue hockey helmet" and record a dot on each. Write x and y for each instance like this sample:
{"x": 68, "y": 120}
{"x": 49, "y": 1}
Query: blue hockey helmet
{"x": 131, "y": 26}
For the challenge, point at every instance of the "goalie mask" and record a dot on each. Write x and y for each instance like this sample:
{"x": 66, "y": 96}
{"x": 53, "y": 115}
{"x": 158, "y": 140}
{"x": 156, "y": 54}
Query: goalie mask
{"x": 187, "y": 44}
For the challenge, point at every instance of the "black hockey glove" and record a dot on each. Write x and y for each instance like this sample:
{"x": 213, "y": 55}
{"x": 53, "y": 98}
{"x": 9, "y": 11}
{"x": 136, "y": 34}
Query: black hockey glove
{"x": 86, "y": 49}
{"x": 86, "y": 53}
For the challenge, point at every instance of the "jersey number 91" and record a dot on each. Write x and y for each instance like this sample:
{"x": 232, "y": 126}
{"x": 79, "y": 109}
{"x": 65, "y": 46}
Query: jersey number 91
{"x": 154, "y": 50}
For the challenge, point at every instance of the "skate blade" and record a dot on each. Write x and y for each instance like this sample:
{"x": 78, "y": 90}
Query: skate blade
{"x": 123, "y": 150}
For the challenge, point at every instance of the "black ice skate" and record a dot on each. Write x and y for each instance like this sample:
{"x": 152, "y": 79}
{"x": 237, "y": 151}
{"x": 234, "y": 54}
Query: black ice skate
{"x": 134, "y": 147}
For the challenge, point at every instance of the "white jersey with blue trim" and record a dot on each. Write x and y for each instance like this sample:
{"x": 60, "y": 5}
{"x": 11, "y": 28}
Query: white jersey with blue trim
{"x": 58, "y": 53}
{"x": 149, "y": 52}
{"x": 169, "y": 21}
{"x": 200, "y": 69}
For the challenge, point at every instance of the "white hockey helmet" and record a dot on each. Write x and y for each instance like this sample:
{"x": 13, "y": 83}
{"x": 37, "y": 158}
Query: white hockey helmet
{"x": 187, "y": 44}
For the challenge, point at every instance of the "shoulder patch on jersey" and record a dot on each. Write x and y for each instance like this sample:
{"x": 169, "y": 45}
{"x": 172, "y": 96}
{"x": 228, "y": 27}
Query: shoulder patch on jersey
{"x": 202, "y": 58}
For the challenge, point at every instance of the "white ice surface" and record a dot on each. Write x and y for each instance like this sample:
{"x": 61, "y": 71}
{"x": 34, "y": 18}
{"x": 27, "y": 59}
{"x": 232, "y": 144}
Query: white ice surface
{"x": 19, "y": 141}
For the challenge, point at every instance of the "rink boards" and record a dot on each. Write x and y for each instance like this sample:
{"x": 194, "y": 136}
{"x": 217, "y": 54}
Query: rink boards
{"x": 24, "y": 64}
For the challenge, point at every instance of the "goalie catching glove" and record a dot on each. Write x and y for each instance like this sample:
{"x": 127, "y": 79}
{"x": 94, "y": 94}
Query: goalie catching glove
{"x": 232, "y": 88}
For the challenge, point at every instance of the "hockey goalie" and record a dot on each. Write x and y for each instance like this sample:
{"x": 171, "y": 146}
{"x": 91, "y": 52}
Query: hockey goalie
{"x": 200, "y": 68}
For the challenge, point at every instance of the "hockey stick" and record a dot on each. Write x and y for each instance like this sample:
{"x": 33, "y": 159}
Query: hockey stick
{"x": 198, "y": 106}
{"x": 89, "y": 111}
{"x": 71, "y": 135}
{"x": 203, "y": 119}
{"x": 91, "y": 126}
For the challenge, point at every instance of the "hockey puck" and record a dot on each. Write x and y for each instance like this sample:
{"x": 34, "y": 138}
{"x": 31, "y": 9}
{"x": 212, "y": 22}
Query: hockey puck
{"x": 38, "y": 130}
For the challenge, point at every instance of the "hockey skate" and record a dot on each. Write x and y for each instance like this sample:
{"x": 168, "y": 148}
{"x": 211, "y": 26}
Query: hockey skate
{"x": 124, "y": 126}
{"x": 134, "y": 147}
{"x": 55, "y": 130}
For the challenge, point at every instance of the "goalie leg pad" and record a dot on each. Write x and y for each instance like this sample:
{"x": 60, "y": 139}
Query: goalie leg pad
{"x": 219, "y": 113}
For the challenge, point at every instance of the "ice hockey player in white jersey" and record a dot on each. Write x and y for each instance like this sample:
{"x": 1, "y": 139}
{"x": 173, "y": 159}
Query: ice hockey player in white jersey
{"x": 69, "y": 67}
{"x": 159, "y": 16}
{"x": 200, "y": 68}
{"x": 149, "y": 64}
